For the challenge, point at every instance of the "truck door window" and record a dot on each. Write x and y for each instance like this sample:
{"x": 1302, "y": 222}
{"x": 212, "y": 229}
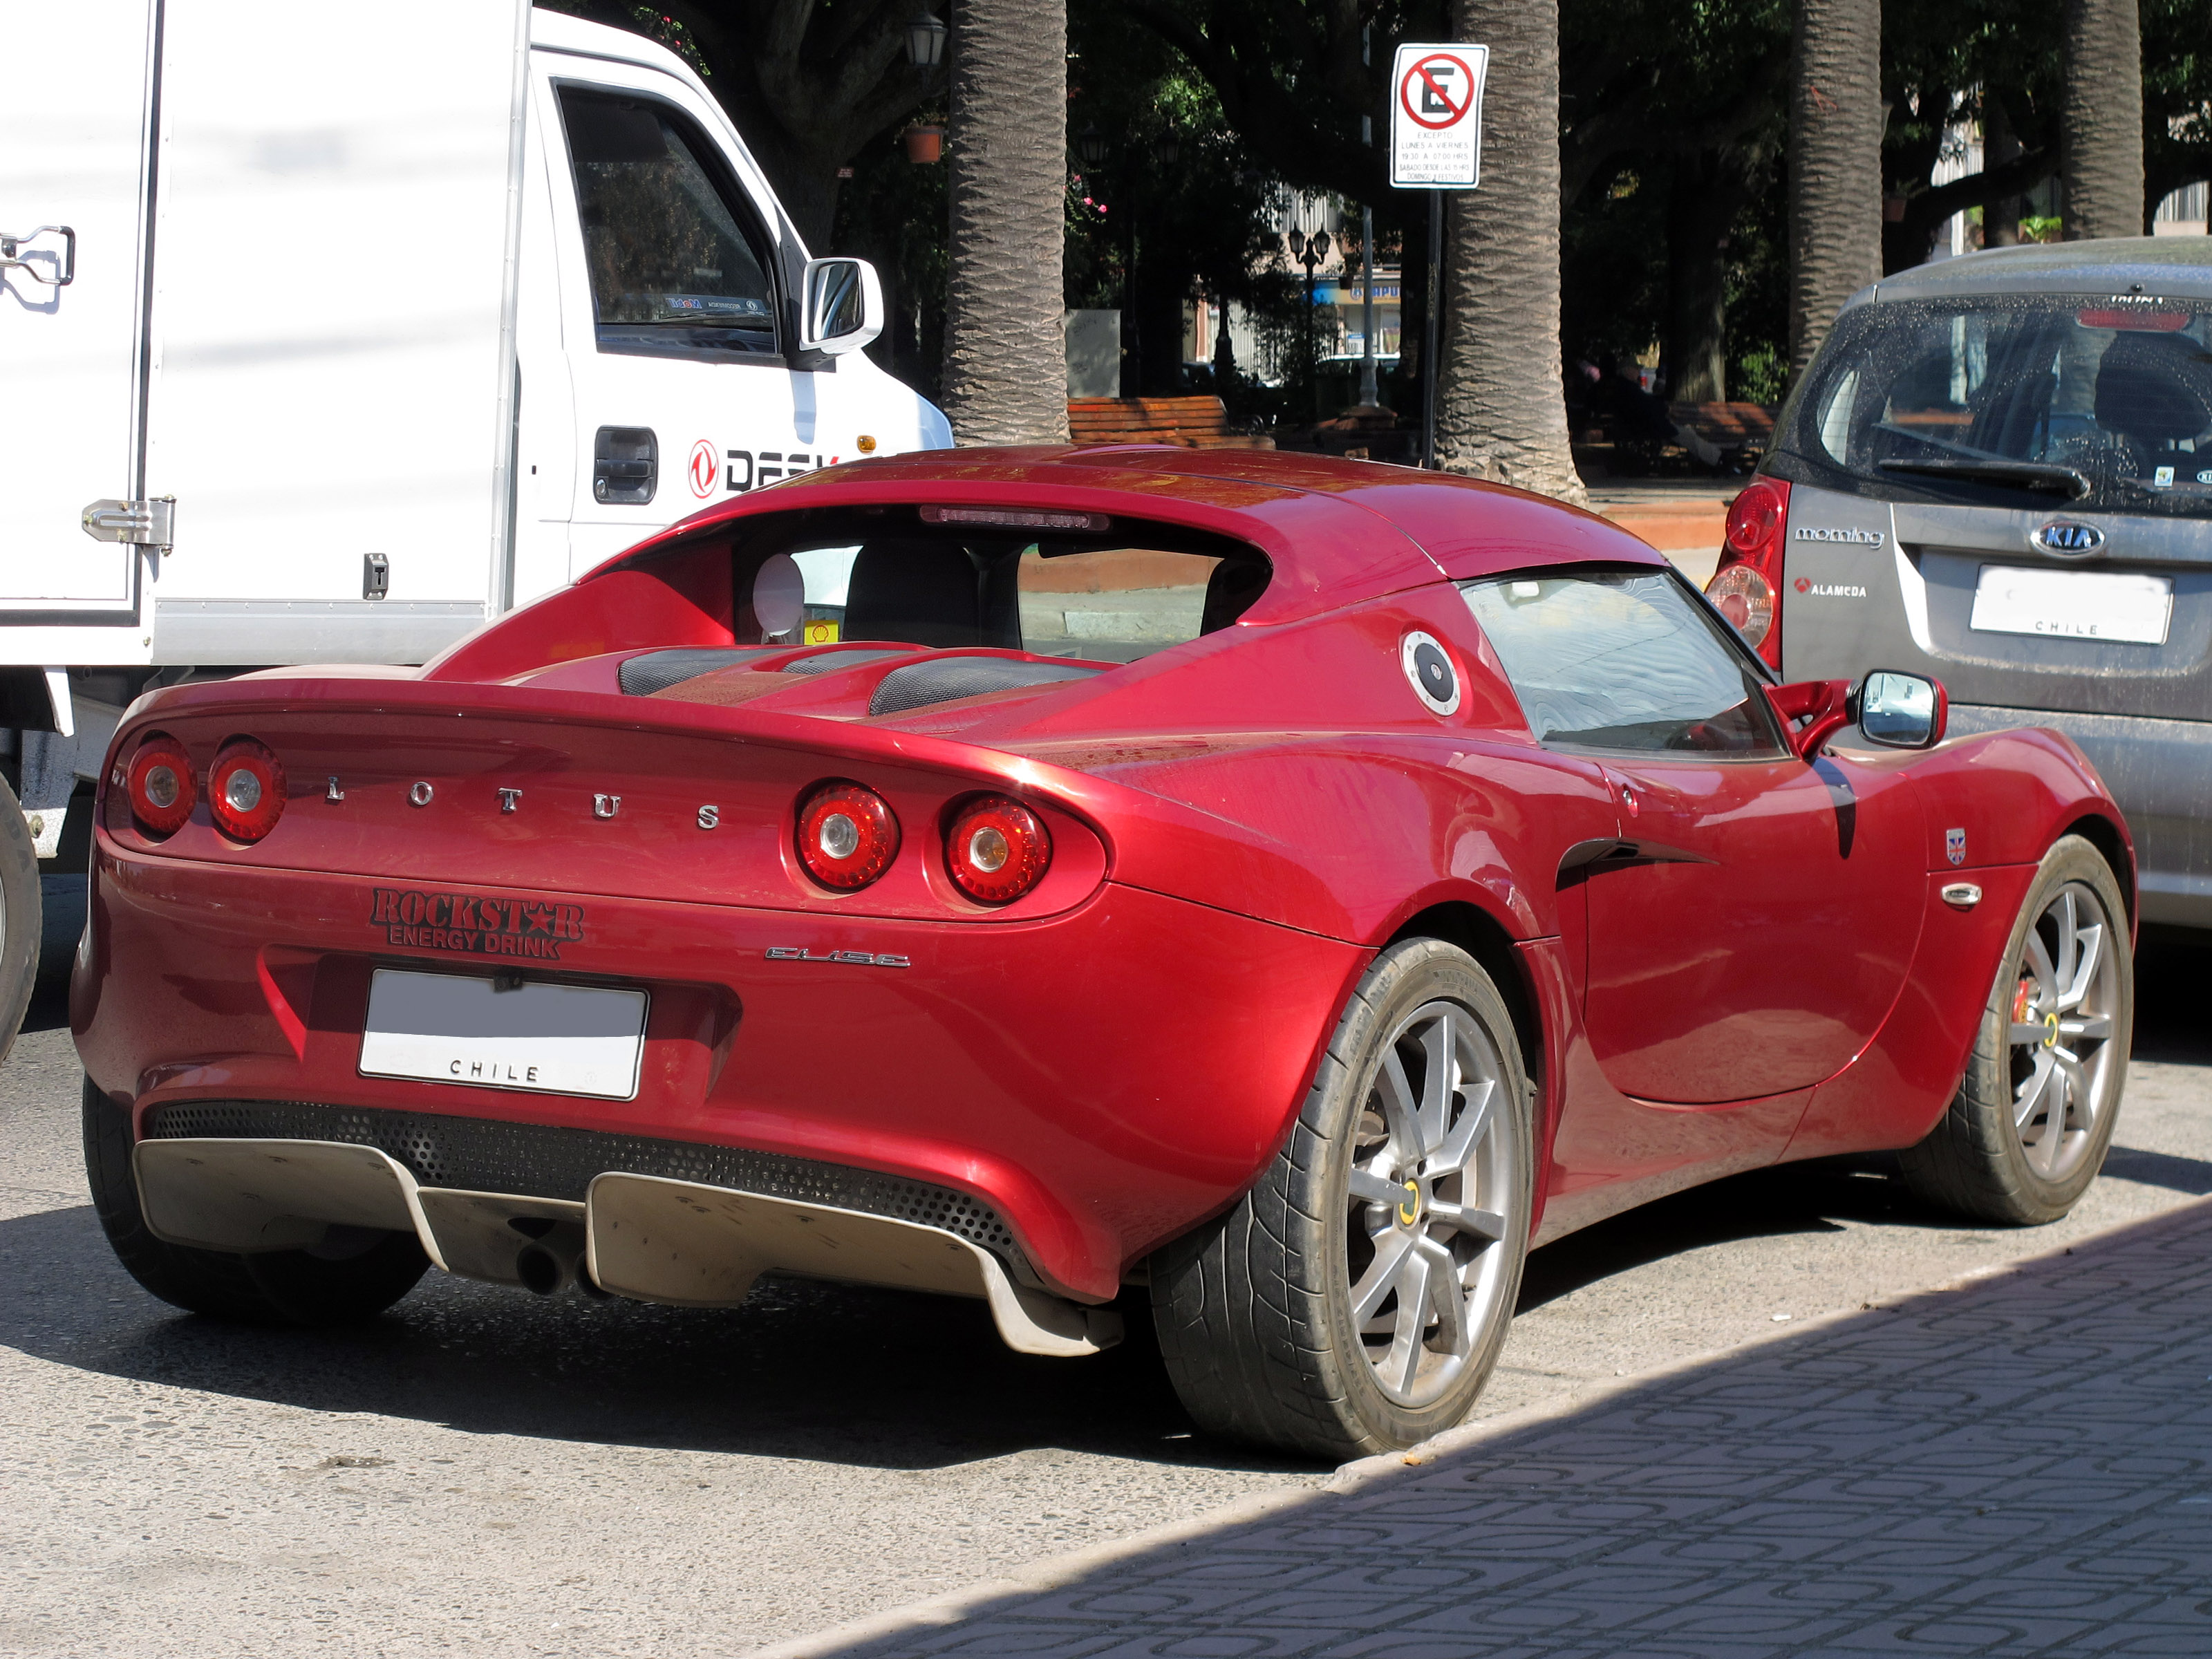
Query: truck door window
{"x": 679, "y": 263}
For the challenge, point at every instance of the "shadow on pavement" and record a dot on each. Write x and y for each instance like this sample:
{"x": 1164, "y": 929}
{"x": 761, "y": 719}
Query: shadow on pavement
{"x": 801, "y": 1372}
{"x": 2023, "y": 1466}
{"x": 834, "y": 1373}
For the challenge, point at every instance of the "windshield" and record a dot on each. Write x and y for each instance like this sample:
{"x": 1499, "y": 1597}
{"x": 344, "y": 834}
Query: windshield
{"x": 2018, "y": 400}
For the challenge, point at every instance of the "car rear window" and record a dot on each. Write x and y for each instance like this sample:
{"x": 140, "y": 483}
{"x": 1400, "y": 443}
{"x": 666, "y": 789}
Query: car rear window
{"x": 1109, "y": 593}
{"x": 2098, "y": 401}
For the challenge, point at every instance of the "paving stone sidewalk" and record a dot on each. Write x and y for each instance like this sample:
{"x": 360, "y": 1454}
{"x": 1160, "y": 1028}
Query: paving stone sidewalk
{"x": 2022, "y": 1466}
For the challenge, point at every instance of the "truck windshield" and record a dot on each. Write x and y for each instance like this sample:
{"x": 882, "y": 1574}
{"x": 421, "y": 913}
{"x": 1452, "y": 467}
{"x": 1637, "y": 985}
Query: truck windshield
{"x": 677, "y": 265}
{"x": 2093, "y": 402}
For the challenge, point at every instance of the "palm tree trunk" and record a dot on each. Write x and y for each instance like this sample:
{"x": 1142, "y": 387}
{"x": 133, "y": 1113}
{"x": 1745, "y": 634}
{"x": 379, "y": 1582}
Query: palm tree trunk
{"x": 1709, "y": 190}
{"x": 1835, "y": 120}
{"x": 2100, "y": 137}
{"x": 1006, "y": 355}
{"x": 1501, "y": 411}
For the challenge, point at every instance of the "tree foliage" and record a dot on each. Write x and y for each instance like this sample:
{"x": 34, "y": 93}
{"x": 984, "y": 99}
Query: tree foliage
{"x": 809, "y": 82}
{"x": 1673, "y": 164}
{"x": 1146, "y": 235}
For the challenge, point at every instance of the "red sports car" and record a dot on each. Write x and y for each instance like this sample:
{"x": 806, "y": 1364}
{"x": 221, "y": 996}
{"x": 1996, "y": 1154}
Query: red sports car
{"x": 1297, "y": 887}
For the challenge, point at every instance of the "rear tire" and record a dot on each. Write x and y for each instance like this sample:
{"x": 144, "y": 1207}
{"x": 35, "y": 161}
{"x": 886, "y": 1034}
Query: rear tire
{"x": 22, "y": 917}
{"x": 1355, "y": 1300}
{"x": 2034, "y": 1113}
{"x": 275, "y": 1287}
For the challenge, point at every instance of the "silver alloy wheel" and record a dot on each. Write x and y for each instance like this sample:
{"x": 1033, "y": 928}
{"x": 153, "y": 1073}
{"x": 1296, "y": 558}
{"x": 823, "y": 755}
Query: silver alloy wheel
{"x": 2061, "y": 1050}
{"x": 1431, "y": 1195}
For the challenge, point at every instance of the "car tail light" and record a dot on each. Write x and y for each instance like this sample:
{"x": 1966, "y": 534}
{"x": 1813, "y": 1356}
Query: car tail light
{"x": 160, "y": 784}
{"x": 1743, "y": 589}
{"x": 246, "y": 790}
{"x": 996, "y": 849}
{"x": 848, "y": 834}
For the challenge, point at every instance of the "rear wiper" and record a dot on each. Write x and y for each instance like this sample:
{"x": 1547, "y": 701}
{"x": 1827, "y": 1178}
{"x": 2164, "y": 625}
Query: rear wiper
{"x": 2041, "y": 476}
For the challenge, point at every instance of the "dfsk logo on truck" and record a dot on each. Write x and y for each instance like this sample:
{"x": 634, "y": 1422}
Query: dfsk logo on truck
{"x": 703, "y": 469}
{"x": 748, "y": 470}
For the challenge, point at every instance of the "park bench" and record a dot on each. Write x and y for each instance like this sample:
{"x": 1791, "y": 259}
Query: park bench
{"x": 1198, "y": 422}
{"x": 1737, "y": 427}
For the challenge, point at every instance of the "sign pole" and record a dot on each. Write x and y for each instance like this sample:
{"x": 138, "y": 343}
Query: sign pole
{"x": 1429, "y": 331}
{"x": 1435, "y": 145}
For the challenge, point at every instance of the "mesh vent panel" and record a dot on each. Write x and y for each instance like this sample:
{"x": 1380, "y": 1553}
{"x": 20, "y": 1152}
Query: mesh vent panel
{"x": 656, "y": 671}
{"x": 538, "y": 1161}
{"x": 831, "y": 662}
{"x": 943, "y": 679}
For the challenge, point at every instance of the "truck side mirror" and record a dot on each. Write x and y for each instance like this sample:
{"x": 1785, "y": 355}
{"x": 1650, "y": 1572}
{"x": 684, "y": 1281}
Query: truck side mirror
{"x": 1900, "y": 711}
{"x": 844, "y": 308}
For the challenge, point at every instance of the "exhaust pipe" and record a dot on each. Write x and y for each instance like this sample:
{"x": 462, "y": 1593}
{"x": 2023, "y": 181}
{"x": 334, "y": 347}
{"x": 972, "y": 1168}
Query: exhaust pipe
{"x": 554, "y": 1258}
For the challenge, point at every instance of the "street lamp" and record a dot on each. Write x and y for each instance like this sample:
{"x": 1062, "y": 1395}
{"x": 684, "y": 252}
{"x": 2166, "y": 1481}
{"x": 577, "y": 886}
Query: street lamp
{"x": 1310, "y": 251}
{"x": 1170, "y": 148}
{"x": 924, "y": 42}
{"x": 1090, "y": 146}
{"x": 1362, "y": 249}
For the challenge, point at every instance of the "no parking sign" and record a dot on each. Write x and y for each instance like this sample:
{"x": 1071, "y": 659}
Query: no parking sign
{"x": 1435, "y": 117}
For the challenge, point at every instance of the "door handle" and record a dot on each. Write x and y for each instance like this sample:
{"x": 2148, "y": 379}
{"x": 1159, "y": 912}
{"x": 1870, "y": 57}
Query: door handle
{"x": 625, "y": 464}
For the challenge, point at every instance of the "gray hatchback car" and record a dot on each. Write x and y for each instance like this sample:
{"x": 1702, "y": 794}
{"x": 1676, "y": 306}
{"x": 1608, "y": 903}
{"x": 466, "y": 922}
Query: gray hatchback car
{"x": 1997, "y": 472}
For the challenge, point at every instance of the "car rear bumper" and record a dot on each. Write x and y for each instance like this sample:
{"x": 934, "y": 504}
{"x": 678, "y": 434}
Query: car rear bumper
{"x": 2160, "y": 771}
{"x": 1100, "y": 1080}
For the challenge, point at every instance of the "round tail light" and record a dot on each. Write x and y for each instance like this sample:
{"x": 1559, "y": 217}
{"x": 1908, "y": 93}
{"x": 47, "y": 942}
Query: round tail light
{"x": 159, "y": 783}
{"x": 1742, "y": 595}
{"x": 996, "y": 849}
{"x": 246, "y": 790}
{"x": 848, "y": 834}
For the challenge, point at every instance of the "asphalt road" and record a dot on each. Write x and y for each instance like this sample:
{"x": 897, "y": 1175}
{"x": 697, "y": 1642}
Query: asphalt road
{"x": 486, "y": 1471}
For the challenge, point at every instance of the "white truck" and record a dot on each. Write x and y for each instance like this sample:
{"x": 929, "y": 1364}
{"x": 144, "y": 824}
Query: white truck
{"x": 329, "y": 333}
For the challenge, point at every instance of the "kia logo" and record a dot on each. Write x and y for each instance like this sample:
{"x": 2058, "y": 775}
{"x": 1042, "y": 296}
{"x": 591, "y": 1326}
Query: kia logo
{"x": 2065, "y": 536}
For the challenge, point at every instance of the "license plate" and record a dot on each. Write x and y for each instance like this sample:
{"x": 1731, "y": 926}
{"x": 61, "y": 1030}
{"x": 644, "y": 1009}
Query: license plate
{"x": 553, "y": 1039}
{"x": 2099, "y": 606}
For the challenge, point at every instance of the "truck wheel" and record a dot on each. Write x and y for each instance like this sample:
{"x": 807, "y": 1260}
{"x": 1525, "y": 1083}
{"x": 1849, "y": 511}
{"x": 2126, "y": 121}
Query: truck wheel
{"x": 2029, "y": 1127}
{"x": 22, "y": 919}
{"x": 278, "y": 1287}
{"x": 1356, "y": 1298}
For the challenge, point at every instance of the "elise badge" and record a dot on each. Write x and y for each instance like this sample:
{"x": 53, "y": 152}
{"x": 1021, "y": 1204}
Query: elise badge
{"x": 1954, "y": 846}
{"x": 855, "y": 959}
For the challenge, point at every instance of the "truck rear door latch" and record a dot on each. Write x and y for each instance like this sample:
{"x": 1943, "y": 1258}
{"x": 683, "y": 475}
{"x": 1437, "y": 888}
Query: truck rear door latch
{"x": 52, "y": 272}
{"x": 140, "y": 523}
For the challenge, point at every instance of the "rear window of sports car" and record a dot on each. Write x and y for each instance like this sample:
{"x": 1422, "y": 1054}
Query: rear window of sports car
{"x": 1110, "y": 590}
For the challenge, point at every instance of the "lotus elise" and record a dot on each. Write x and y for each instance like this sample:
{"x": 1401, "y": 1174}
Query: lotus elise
{"x": 1269, "y": 892}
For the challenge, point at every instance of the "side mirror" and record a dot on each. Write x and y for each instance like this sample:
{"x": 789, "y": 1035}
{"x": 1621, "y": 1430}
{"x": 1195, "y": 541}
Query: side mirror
{"x": 1900, "y": 711}
{"x": 844, "y": 308}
